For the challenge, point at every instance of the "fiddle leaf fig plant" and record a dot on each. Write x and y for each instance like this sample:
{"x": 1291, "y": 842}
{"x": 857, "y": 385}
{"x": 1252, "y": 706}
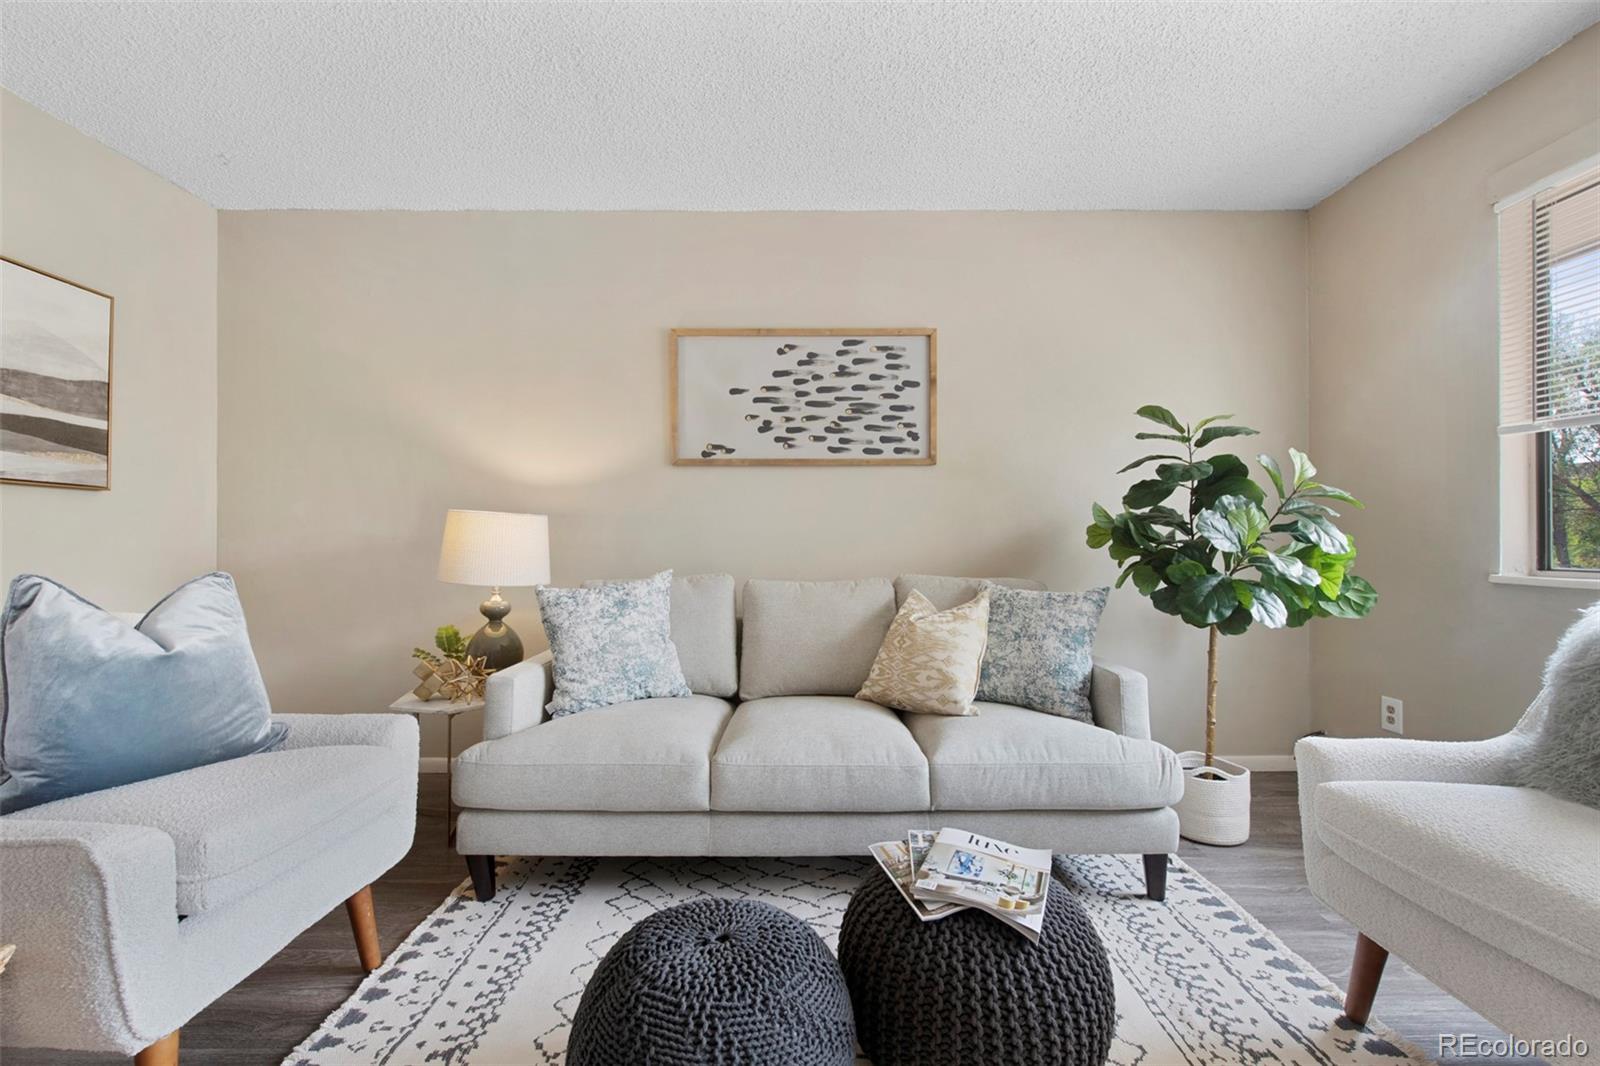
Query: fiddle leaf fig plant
{"x": 1207, "y": 543}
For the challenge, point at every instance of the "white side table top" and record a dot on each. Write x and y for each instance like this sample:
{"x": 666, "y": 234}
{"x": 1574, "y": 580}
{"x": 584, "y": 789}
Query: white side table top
{"x": 409, "y": 704}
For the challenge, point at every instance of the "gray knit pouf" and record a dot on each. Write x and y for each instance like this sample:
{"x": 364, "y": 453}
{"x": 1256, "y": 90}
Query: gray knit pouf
{"x": 713, "y": 983}
{"x": 966, "y": 989}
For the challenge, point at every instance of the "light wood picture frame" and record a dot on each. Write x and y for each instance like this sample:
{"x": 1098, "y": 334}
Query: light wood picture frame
{"x": 55, "y": 380}
{"x": 804, "y": 397}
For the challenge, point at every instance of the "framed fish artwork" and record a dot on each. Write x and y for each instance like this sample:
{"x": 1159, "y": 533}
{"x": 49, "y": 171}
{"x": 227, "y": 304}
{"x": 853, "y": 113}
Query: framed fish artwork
{"x": 804, "y": 397}
{"x": 55, "y": 380}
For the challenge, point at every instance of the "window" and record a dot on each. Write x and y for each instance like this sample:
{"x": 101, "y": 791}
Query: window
{"x": 1550, "y": 380}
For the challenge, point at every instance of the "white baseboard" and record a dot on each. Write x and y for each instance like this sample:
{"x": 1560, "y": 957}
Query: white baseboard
{"x": 434, "y": 764}
{"x": 1263, "y": 763}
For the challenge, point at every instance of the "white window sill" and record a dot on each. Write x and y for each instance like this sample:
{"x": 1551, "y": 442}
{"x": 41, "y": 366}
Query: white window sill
{"x": 1547, "y": 581}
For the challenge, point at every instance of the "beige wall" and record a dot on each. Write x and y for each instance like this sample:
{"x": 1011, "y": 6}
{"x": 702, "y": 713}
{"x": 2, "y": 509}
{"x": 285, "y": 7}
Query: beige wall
{"x": 378, "y": 368}
{"x": 73, "y": 207}
{"x": 1404, "y": 378}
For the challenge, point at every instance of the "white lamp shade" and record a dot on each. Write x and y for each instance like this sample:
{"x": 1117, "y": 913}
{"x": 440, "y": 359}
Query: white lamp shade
{"x": 495, "y": 548}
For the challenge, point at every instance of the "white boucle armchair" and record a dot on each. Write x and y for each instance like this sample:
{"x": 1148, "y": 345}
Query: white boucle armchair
{"x": 134, "y": 908}
{"x": 1491, "y": 891}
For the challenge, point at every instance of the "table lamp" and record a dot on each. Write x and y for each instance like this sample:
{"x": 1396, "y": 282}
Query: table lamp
{"x": 495, "y": 548}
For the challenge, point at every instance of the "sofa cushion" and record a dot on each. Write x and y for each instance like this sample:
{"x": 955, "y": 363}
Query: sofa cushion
{"x": 1041, "y": 649}
{"x": 611, "y": 644}
{"x": 1011, "y": 758}
{"x": 89, "y": 702}
{"x": 1515, "y": 867}
{"x": 645, "y": 755}
{"x": 244, "y": 823}
{"x": 948, "y": 592}
{"x": 703, "y": 631}
{"x": 929, "y": 660}
{"x": 817, "y": 753}
{"x": 812, "y": 638}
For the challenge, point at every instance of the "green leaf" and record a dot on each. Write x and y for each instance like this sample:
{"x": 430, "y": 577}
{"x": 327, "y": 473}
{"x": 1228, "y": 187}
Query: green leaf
{"x": 1216, "y": 433}
{"x": 1227, "y": 465}
{"x": 1296, "y": 599}
{"x": 1157, "y": 413}
{"x": 1165, "y": 599}
{"x": 1123, "y": 576}
{"x": 1215, "y": 527}
{"x": 1176, "y": 472}
{"x": 1229, "y": 477}
{"x": 1329, "y": 567}
{"x": 1207, "y": 600}
{"x": 1146, "y": 579}
{"x": 1265, "y": 605}
{"x": 1121, "y": 553}
{"x": 1235, "y": 623}
{"x": 1317, "y": 530}
{"x": 1356, "y": 599}
{"x": 1270, "y": 465}
{"x": 1097, "y": 536}
{"x": 1179, "y": 437}
{"x": 1165, "y": 516}
{"x": 1245, "y": 591}
{"x": 1147, "y": 493}
{"x": 1328, "y": 492}
{"x": 1102, "y": 517}
{"x": 1185, "y": 569}
{"x": 1303, "y": 470}
{"x": 1204, "y": 422}
{"x": 1305, "y": 505}
{"x": 1286, "y": 566}
{"x": 1146, "y": 459}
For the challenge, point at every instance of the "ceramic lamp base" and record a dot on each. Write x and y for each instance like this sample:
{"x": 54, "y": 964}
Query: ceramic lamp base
{"x": 497, "y": 644}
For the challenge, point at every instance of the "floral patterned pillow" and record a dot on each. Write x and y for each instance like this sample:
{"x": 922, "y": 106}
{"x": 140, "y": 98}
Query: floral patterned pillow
{"x": 1041, "y": 649}
{"x": 611, "y": 644}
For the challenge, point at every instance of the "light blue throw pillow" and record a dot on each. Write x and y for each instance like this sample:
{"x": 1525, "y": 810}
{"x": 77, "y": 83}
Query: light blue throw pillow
{"x": 1041, "y": 649}
{"x": 88, "y": 701}
{"x": 611, "y": 643}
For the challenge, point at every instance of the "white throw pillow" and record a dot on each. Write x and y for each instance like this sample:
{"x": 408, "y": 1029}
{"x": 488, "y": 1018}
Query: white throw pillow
{"x": 611, "y": 644}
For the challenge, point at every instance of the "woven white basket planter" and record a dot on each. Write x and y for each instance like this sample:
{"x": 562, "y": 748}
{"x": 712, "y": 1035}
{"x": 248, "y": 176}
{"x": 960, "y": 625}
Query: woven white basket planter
{"x": 1215, "y": 808}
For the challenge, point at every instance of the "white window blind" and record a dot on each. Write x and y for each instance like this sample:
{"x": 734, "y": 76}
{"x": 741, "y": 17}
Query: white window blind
{"x": 1550, "y": 307}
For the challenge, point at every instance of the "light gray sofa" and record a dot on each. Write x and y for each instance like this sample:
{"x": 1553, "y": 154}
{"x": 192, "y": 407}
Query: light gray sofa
{"x": 774, "y": 756}
{"x": 1489, "y": 890}
{"x": 133, "y": 908}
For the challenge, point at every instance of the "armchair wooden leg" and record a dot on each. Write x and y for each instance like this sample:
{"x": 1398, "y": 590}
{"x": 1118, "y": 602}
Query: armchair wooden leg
{"x": 1155, "y": 877}
{"x": 1365, "y": 973}
{"x": 481, "y": 867}
{"x": 163, "y": 1052}
{"x": 364, "y": 923}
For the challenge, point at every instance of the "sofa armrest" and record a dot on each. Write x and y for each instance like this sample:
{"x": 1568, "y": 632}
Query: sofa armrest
{"x": 515, "y": 697}
{"x": 397, "y": 731}
{"x": 92, "y": 908}
{"x": 1120, "y": 699}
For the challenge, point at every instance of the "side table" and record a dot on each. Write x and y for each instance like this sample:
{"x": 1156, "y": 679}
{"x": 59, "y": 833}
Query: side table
{"x": 409, "y": 704}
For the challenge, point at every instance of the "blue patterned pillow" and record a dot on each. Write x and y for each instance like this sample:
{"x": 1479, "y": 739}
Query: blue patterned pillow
{"x": 611, "y": 644}
{"x": 1041, "y": 648}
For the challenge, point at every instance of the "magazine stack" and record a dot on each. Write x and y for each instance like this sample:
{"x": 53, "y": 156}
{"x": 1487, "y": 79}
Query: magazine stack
{"x": 941, "y": 873}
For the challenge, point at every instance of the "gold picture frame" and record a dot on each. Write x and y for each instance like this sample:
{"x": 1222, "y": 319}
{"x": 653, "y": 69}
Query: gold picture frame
{"x": 55, "y": 414}
{"x": 831, "y": 424}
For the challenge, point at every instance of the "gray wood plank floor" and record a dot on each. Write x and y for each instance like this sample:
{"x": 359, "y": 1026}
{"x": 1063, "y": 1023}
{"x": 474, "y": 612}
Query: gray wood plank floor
{"x": 262, "y": 1019}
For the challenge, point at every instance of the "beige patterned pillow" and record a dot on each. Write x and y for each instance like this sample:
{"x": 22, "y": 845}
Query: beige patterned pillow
{"x": 929, "y": 660}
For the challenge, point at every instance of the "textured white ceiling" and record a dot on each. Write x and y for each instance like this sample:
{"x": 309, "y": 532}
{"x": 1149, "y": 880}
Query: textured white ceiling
{"x": 767, "y": 106}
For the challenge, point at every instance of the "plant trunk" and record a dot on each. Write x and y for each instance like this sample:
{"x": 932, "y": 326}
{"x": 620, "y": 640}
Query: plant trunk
{"x": 1211, "y": 697}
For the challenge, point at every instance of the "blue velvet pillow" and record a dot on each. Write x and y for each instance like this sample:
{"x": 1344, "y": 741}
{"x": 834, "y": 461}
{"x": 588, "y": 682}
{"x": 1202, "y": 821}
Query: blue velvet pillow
{"x": 89, "y": 702}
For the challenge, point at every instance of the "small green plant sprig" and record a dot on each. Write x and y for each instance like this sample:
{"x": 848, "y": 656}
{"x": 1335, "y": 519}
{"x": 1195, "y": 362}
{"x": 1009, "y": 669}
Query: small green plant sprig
{"x": 1219, "y": 560}
{"x": 451, "y": 644}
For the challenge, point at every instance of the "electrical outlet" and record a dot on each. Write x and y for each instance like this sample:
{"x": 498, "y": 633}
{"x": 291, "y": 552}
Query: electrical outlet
{"x": 1392, "y": 714}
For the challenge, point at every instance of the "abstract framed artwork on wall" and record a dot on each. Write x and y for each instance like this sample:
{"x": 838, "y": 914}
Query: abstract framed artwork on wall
{"x": 804, "y": 397}
{"x": 55, "y": 380}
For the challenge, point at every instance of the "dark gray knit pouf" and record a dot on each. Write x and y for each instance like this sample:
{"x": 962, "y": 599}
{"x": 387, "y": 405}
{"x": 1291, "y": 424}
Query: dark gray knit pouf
{"x": 715, "y": 982}
{"x": 966, "y": 989}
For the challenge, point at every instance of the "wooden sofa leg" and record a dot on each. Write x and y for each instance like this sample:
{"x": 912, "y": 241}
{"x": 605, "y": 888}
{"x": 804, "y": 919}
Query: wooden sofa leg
{"x": 1155, "y": 877}
{"x": 364, "y": 923}
{"x": 163, "y": 1052}
{"x": 1365, "y": 973}
{"x": 481, "y": 867}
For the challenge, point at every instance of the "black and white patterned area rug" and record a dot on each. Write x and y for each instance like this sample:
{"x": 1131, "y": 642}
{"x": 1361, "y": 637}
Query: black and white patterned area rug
{"x": 1198, "y": 980}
